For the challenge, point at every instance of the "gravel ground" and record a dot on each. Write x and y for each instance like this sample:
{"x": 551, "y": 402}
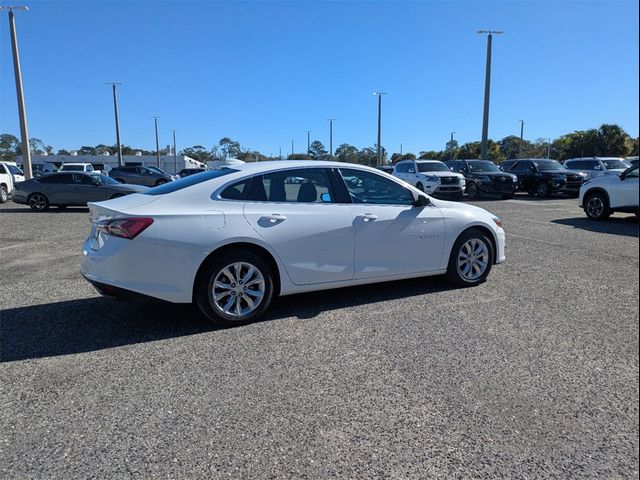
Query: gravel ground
{"x": 532, "y": 374}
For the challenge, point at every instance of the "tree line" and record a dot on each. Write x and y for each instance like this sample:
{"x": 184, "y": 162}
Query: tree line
{"x": 605, "y": 141}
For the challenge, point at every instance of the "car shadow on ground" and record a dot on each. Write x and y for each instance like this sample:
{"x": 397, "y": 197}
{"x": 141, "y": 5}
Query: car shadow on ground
{"x": 626, "y": 226}
{"x": 50, "y": 210}
{"x": 97, "y": 323}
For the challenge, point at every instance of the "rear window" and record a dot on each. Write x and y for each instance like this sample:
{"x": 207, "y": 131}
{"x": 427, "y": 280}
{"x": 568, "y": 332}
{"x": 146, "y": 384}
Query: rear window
{"x": 185, "y": 182}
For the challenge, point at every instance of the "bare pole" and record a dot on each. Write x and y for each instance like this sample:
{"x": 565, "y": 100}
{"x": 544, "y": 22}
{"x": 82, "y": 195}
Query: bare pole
{"x": 155, "y": 121}
{"x": 175, "y": 153}
{"x": 115, "y": 111}
{"x": 308, "y": 142}
{"x": 330, "y": 120}
{"x": 279, "y": 153}
{"x": 487, "y": 90}
{"x": 291, "y": 147}
{"x": 521, "y": 137}
{"x": 22, "y": 111}
{"x": 379, "y": 147}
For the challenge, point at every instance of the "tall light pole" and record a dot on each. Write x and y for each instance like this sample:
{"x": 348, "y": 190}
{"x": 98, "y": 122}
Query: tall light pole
{"x": 549, "y": 148}
{"x": 379, "y": 150}
{"x": 330, "y": 120}
{"x": 452, "y": 133}
{"x": 115, "y": 111}
{"x": 487, "y": 89}
{"x": 308, "y": 142}
{"x": 175, "y": 154}
{"x": 155, "y": 121}
{"x": 521, "y": 138}
{"x": 400, "y": 151}
{"x": 22, "y": 111}
{"x": 291, "y": 147}
{"x": 279, "y": 153}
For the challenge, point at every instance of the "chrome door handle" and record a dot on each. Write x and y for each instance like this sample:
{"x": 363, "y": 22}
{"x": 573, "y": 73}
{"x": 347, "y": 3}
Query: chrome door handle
{"x": 274, "y": 218}
{"x": 369, "y": 217}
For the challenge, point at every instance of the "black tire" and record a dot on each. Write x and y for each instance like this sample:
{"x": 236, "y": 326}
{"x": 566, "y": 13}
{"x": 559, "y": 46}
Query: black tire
{"x": 454, "y": 274}
{"x": 596, "y": 206}
{"x": 507, "y": 196}
{"x": 472, "y": 191}
{"x": 38, "y": 202}
{"x": 162, "y": 181}
{"x": 420, "y": 187}
{"x": 4, "y": 195}
{"x": 543, "y": 190}
{"x": 205, "y": 289}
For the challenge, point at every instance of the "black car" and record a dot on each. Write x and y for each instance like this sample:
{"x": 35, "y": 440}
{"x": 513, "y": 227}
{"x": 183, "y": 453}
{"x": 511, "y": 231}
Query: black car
{"x": 484, "y": 177}
{"x": 543, "y": 177}
{"x": 70, "y": 189}
{"x": 185, "y": 172}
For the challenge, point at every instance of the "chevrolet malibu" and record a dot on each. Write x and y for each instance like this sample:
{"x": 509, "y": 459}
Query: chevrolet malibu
{"x": 231, "y": 240}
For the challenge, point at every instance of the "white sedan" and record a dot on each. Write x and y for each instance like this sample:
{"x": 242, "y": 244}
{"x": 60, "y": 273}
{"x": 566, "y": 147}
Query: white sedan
{"x": 230, "y": 240}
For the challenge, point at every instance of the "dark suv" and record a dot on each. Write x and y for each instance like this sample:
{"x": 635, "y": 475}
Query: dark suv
{"x": 542, "y": 177}
{"x": 139, "y": 175}
{"x": 484, "y": 177}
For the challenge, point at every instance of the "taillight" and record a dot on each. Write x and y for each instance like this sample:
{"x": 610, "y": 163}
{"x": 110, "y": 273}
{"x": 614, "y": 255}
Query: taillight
{"x": 125, "y": 227}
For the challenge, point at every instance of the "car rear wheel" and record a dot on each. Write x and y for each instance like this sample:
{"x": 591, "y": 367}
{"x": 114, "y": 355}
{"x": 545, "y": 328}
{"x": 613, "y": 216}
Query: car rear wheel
{"x": 596, "y": 206}
{"x": 471, "y": 259}
{"x": 38, "y": 202}
{"x": 472, "y": 191}
{"x": 543, "y": 190}
{"x": 4, "y": 195}
{"x": 235, "y": 289}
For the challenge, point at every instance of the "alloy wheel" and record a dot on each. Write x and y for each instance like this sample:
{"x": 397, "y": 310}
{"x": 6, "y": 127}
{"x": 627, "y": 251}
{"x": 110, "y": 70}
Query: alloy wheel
{"x": 238, "y": 289}
{"x": 595, "y": 206}
{"x": 473, "y": 259}
{"x": 38, "y": 202}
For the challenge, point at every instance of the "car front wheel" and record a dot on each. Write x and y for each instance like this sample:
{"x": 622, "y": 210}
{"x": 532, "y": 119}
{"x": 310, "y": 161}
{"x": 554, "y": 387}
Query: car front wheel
{"x": 597, "y": 206}
{"x": 4, "y": 196}
{"x": 543, "y": 190}
{"x": 472, "y": 191}
{"x": 235, "y": 289}
{"x": 471, "y": 259}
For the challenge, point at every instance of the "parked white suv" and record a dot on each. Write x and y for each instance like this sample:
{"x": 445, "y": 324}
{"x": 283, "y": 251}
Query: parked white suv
{"x": 596, "y": 166}
{"x": 604, "y": 195}
{"x": 9, "y": 175}
{"x": 76, "y": 167}
{"x": 431, "y": 176}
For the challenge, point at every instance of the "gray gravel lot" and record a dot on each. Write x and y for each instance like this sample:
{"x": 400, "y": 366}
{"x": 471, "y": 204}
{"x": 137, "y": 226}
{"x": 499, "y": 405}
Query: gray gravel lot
{"x": 532, "y": 374}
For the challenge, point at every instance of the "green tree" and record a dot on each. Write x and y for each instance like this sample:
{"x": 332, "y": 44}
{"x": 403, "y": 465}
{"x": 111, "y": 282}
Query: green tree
{"x": 317, "y": 150}
{"x": 299, "y": 156}
{"x": 197, "y": 152}
{"x": 347, "y": 153}
{"x": 9, "y": 147}
{"x": 230, "y": 148}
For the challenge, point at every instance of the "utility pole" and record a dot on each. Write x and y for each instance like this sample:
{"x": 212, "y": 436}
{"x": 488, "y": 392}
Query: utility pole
{"x": 400, "y": 151}
{"x": 308, "y": 142}
{"x": 521, "y": 137}
{"x": 22, "y": 111}
{"x": 379, "y": 149}
{"x": 155, "y": 121}
{"x": 175, "y": 154}
{"x": 115, "y": 110}
{"x": 330, "y": 120}
{"x": 487, "y": 89}
{"x": 549, "y": 148}
{"x": 452, "y": 136}
{"x": 291, "y": 147}
{"x": 279, "y": 153}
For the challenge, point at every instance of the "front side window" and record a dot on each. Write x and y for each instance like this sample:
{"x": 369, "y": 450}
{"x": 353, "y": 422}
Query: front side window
{"x": 548, "y": 165}
{"x": 402, "y": 167}
{"x": 483, "y": 166}
{"x": 367, "y": 187}
{"x": 304, "y": 185}
{"x": 615, "y": 164}
{"x": 82, "y": 179}
{"x": 632, "y": 173}
{"x": 2, "y": 169}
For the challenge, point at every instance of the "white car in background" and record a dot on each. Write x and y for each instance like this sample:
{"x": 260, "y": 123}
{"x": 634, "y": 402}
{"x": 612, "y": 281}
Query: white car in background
{"x": 10, "y": 174}
{"x": 597, "y": 166}
{"x": 607, "y": 194}
{"x": 431, "y": 176}
{"x": 231, "y": 240}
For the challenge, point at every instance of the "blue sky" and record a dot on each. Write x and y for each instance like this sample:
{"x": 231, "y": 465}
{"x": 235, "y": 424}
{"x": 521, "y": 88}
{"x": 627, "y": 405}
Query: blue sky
{"x": 264, "y": 72}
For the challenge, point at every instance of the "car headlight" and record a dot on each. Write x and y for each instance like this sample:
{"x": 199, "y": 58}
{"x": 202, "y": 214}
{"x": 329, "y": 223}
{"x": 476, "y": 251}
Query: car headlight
{"x": 514, "y": 178}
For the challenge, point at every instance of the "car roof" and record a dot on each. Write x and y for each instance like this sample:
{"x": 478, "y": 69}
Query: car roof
{"x": 272, "y": 165}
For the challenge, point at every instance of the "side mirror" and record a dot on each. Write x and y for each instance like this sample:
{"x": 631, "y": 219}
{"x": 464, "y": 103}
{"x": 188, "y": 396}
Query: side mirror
{"x": 421, "y": 200}
{"x": 597, "y": 167}
{"x": 622, "y": 175}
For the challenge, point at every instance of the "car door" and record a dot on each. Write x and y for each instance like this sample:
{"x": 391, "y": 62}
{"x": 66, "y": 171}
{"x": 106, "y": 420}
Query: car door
{"x": 392, "y": 236}
{"x": 60, "y": 189}
{"x": 295, "y": 211}
{"x": 625, "y": 192}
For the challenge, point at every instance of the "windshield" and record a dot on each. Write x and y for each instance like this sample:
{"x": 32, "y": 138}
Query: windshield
{"x": 615, "y": 164}
{"x": 185, "y": 182}
{"x": 548, "y": 165}
{"x": 104, "y": 180}
{"x": 432, "y": 167}
{"x": 156, "y": 169}
{"x": 482, "y": 166}
{"x": 14, "y": 170}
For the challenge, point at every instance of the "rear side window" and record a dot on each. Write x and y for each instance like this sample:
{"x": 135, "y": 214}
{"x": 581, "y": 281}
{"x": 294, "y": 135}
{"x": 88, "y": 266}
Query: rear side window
{"x": 185, "y": 182}
{"x": 308, "y": 185}
{"x": 57, "y": 178}
{"x": 237, "y": 191}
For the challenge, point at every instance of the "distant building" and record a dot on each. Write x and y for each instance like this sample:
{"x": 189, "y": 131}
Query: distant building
{"x": 107, "y": 162}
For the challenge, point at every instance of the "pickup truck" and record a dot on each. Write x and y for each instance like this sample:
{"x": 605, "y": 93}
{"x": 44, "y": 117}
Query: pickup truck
{"x": 9, "y": 175}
